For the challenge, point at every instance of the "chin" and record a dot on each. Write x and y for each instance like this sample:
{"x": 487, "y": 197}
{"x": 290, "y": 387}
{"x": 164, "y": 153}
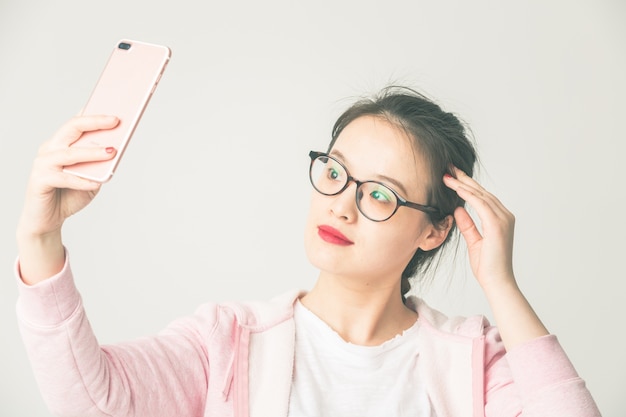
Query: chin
{"x": 321, "y": 255}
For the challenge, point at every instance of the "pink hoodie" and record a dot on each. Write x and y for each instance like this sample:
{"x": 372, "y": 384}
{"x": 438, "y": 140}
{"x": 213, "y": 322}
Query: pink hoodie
{"x": 236, "y": 359}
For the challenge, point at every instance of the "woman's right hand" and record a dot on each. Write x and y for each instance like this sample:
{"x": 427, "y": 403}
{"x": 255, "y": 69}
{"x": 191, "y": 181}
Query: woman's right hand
{"x": 53, "y": 195}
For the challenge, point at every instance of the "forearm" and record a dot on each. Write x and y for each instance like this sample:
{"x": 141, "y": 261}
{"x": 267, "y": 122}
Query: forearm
{"x": 159, "y": 376}
{"x": 514, "y": 316}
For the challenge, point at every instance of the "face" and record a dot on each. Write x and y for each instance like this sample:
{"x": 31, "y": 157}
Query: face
{"x": 339, "y": 240}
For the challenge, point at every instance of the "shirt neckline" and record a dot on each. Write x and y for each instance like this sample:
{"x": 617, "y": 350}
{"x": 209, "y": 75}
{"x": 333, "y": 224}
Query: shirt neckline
{"x": 318, "y": 328}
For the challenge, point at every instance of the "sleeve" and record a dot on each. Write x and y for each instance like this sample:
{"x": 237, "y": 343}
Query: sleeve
{"x": 165, "y": 375}
{"x": 535, "y": 379}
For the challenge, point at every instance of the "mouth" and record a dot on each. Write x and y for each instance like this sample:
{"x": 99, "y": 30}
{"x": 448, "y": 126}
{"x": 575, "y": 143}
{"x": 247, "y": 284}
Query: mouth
{"x": 332, "y": 235}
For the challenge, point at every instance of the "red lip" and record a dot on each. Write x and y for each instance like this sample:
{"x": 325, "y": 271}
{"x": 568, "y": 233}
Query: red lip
{"x": 332, "y": 235}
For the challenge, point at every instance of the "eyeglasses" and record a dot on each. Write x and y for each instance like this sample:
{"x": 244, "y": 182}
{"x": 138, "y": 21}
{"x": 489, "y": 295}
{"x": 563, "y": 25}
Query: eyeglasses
{"x": 374, "y": 199}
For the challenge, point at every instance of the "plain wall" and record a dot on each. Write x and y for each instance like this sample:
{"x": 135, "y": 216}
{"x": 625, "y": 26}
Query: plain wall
{"x": 210, "y": 199}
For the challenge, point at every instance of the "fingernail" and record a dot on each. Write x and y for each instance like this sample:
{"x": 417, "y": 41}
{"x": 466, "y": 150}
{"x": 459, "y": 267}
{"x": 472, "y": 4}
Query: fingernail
{"x": 447, "y": 176}
{"x": 110, "y": 149}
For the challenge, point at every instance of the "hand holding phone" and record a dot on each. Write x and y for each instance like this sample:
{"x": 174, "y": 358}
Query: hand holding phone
{"x": 123, "y": 90}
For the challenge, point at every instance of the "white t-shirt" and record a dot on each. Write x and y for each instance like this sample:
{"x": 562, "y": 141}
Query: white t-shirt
{"x": 335, "y": 378}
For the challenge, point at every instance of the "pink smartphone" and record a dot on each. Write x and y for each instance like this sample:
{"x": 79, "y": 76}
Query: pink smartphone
{"x": 123, "y": 90}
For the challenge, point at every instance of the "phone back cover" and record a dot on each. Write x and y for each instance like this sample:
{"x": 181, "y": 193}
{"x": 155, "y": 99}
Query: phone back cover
{"x": 123, "y": 90}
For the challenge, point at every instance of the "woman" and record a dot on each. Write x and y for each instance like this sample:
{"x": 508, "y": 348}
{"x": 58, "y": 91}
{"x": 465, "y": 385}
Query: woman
{"x": 388, "y": 193}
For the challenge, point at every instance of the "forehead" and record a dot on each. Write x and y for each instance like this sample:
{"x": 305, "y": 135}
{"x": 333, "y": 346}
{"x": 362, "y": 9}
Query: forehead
{"x": 373, "y": 148}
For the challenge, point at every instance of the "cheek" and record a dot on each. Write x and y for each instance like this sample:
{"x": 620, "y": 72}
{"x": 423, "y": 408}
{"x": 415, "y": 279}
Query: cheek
{"x": 383, "y": 251}
{"x": 315, "y": 204}
{"x": 310, "y": 227}
{"x": 402, "y": 238}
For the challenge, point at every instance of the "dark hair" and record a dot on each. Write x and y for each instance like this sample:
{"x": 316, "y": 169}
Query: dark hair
{"x": 440, "y": 136}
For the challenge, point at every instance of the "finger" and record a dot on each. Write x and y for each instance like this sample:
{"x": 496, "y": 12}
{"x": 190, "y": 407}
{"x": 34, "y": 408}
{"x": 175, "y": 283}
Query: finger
{"x": 48, "y": 169}
{"x": 77, "y": 154}
{"x": 73, "y": 182}
{"x": 75, "y": 127}
{"x": 467, "y": 226}
{"x": 48, "y": 179}
{"x": 464, "y": 188}
{"x": 467, "y": 182}
{"x": 471, "y": 191}
{"x": 492, "y": 214}
{"x": 57, "y": 159}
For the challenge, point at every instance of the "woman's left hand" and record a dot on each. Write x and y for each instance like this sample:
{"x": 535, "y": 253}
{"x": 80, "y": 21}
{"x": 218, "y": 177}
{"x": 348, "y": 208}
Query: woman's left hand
{"x": 490, "y": 252}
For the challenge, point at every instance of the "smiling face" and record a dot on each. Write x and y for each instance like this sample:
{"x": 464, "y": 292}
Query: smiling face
{"x": 339, "y": 240}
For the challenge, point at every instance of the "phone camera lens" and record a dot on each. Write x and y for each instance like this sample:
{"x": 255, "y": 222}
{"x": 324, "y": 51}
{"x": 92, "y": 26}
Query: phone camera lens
{"x": 124, "y": 45}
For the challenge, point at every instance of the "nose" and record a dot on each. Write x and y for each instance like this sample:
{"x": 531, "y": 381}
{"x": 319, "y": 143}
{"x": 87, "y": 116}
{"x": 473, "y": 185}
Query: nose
{"x": 344, "y": 203}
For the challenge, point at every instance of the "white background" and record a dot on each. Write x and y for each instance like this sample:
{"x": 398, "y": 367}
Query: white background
{"x": 210, "y": 199}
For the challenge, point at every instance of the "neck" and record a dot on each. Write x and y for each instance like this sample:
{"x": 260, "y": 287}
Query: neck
{"x": 361, "y": 313}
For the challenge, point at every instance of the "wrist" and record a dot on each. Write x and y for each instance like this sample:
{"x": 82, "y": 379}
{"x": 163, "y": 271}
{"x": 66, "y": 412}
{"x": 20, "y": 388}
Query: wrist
{"x": 503, "y": 283}
{"x": 513, "y": 314}
{"x": 40, "y": 256}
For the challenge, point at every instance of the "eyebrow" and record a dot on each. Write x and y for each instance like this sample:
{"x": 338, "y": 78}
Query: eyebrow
{"x": 398, "y": 185}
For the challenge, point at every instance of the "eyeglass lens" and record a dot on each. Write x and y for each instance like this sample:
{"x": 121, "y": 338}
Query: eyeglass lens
{"x": 374, "y": 200}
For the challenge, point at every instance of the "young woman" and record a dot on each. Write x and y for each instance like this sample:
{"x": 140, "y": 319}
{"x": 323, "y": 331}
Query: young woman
{"x": 388, "y": 194}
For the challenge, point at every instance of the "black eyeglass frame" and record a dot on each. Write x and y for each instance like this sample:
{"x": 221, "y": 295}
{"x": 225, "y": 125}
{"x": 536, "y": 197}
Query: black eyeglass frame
{"x": 400, "y": 201}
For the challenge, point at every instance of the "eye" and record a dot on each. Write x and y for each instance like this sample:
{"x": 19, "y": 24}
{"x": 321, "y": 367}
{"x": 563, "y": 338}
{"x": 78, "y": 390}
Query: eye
{"x": 334, "y": 172}
{"x": 382, "y": 195}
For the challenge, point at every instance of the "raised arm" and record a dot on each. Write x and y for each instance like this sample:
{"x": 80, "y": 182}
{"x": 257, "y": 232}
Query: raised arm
{"x": 546, "y": 383}
{"x": 165, "y": 375}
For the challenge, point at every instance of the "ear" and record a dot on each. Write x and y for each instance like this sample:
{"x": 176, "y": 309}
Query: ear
{"x": 436, "y": 234}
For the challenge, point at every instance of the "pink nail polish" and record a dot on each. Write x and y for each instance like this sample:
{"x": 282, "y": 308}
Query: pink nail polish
{"x": 110, "y": 149}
